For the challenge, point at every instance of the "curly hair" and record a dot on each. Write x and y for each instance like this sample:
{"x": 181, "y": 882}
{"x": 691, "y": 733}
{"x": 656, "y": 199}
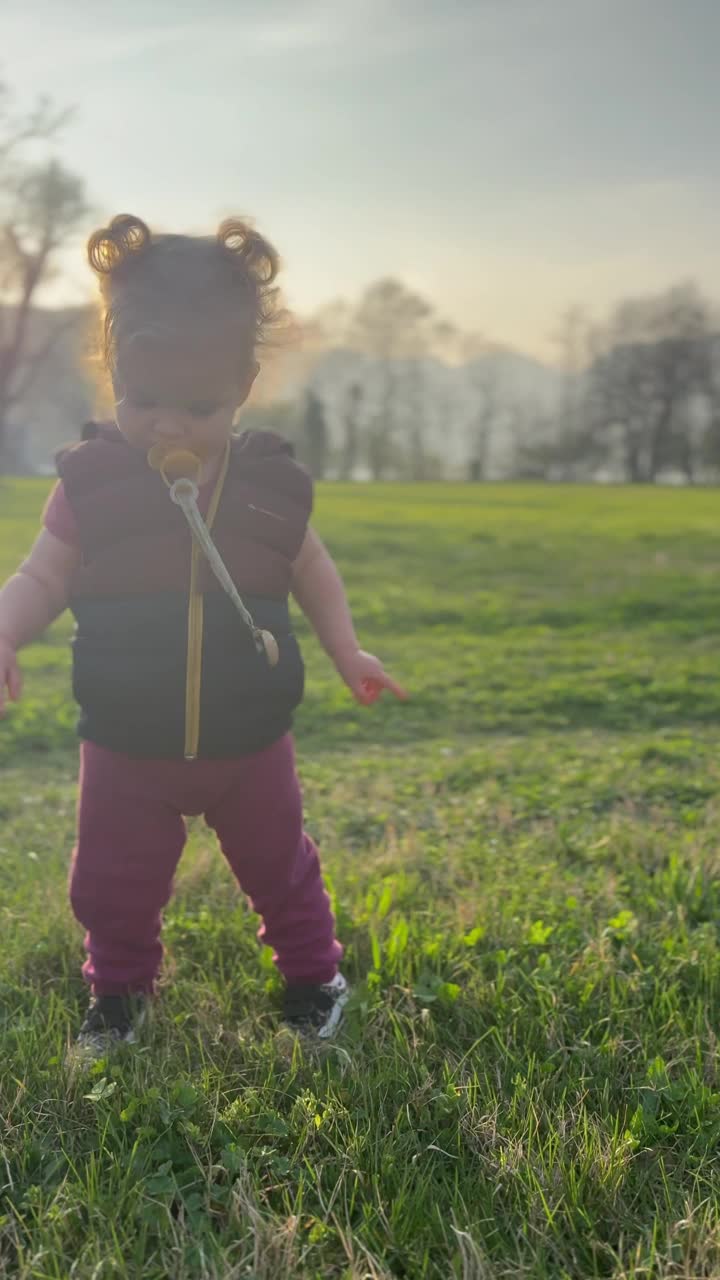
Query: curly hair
{"x": 147, "y": 279}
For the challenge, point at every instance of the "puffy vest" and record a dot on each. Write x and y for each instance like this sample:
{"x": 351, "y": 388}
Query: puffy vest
{"x": 140, "y": 674}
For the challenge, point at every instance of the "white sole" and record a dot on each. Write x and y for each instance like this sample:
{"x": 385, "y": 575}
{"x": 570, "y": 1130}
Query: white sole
{"x": 336, "y": 1016}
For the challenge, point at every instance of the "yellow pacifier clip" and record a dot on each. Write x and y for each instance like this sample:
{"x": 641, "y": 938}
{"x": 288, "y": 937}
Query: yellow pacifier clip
{"x": 180, "y": 469}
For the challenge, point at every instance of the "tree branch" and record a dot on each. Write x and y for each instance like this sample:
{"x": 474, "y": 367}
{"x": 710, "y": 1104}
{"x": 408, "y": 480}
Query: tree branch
{"x": 40, "y": 124}
{"x": 32, "y": 364}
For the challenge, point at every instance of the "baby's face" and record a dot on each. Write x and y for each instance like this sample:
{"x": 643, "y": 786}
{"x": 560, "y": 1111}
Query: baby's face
{"x": 179, "y": 394}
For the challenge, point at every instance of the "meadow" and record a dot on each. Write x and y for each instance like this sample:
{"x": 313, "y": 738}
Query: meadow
{"x": 524, "y": 866}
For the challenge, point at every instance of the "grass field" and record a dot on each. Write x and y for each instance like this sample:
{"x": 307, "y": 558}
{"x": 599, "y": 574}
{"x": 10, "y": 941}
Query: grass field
{"x": 524, "y": 861}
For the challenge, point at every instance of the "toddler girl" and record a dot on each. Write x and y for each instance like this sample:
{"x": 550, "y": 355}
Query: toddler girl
{"x": 185, "y": 703}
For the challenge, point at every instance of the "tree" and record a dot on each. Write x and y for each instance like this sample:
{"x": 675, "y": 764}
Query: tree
{"x": 380, "y": 366}
{"x": 538, "y": 452}
{"x": 710, "y": 445}
{"x": 351, "y": 423}
{"x": 393, "y": 326}
{"x": 315, "y": 435}
{"x": 656, "y": 362}
{"x": 573, "y": 340}
{"x": 477, "y": 355}
{"x": 617, "y": 411}
{"x": 40, "y": 204}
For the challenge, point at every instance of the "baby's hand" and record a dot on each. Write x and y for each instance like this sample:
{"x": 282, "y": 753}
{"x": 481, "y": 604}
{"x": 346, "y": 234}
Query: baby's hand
{"x": 10, "y": 677}
{"x": 366, "y": 677}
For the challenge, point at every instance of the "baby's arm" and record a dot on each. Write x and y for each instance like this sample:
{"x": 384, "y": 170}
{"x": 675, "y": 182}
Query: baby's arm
{"x": 318, "y": 589}
{"x": 30, "y": 600}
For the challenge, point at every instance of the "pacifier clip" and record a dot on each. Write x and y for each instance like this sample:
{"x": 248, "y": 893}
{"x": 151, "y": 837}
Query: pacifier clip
{"x": 180, "y": 469}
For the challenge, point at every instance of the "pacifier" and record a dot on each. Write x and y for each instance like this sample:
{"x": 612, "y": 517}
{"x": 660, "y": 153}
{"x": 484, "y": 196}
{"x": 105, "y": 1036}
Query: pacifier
{"x": 173, "y": 463}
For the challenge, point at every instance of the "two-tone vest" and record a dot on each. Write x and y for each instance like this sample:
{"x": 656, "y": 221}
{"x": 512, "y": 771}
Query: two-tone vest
{"x": 163, "y": 666}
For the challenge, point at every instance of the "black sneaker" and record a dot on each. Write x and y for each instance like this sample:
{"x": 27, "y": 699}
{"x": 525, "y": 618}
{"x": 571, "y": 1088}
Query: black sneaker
{"x": 316, "y": 1010}
{"x": 111, "y": 1020}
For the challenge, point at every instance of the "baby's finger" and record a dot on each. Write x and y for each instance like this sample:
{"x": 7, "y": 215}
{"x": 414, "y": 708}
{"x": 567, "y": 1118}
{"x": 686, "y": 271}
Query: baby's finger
{"x": 369, "y": 692}
{"x": 394, "y": 687}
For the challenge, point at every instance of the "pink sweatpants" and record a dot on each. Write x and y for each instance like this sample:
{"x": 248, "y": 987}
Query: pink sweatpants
{"x": 131, "y": 835}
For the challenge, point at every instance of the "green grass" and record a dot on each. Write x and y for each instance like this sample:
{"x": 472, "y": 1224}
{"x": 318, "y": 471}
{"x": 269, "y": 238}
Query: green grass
{"x": 524, "y": 862}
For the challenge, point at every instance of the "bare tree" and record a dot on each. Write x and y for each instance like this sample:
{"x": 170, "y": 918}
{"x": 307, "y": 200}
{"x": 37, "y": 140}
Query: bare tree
{"x": 574, "y": 343}
{"x": 351, "y": 437}
{"x": 40, "y": 204}
{"x": 655, "y": 363}
{"x": 617, "y": 409}
{"x": 413, "y": 396}
{"x": 539, "y": 453}
{"x": 685, "y": 375}
{"x": 477, "y": 355}
{"x": 710, "y": 444}
{"x": 392, "y": 325}
{"x": 315, "y": 435}
{"x": 485, "y": 414}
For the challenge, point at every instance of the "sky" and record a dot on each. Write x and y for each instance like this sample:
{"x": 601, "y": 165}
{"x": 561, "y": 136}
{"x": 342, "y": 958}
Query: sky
{"x": 507, "y": 158}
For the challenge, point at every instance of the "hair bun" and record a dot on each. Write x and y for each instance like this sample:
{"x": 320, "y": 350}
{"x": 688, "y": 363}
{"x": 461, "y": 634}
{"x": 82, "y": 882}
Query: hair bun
{"x": 108, "y": 248}
{"x": 248, "y": 247}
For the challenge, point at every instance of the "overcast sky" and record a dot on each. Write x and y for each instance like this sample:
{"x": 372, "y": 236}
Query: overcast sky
{"x": 507, "y": 157}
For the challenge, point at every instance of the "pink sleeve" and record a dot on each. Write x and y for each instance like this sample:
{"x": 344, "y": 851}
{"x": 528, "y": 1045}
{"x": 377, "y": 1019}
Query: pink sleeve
{"x": 58, "y": 517}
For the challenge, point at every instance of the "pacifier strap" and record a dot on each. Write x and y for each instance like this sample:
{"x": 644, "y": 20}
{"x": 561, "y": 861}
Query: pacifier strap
{"x": 180, "y": 469}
